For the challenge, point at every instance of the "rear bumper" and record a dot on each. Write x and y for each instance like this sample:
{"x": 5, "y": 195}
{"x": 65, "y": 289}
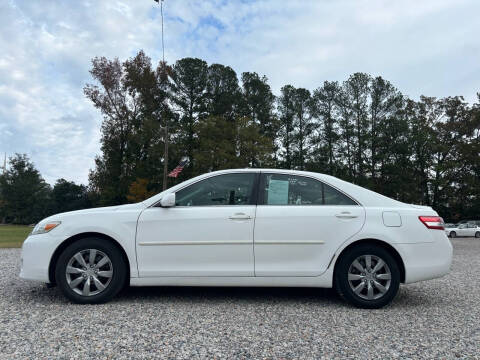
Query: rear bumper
{"x": 425, "y": 261}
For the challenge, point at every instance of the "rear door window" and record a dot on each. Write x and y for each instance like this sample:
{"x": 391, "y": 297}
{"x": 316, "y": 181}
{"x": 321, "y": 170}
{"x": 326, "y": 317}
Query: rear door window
{"x": 283, "y": 189}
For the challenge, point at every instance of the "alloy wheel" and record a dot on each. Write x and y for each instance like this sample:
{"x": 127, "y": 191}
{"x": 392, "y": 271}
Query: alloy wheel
{"x": 89, "y": 272}
{"x": 369, "y": 277}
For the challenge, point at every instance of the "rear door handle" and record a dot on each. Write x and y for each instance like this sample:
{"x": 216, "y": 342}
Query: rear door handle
{"x": 240, "y": 216}
{"x": 346, "y": 215}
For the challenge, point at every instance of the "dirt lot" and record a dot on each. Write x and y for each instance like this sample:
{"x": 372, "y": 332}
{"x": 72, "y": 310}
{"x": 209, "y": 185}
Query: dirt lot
{"x": 433, "y": 319}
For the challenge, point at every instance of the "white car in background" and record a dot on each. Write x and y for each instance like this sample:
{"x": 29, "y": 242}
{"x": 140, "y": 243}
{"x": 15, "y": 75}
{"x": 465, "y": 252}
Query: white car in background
{"x": 248, "y": 227}
{"x": 469, "y": 230}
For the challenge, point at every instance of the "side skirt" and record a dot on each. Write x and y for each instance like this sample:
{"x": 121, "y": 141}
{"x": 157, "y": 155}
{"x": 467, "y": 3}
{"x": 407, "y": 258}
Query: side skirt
{"x": 323, "y": 281}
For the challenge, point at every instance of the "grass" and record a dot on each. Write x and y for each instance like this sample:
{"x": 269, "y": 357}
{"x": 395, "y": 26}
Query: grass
{"x": 12, "y": 236}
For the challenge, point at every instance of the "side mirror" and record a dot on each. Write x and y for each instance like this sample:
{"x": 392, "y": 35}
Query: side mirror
{"x": 168, "y": 200}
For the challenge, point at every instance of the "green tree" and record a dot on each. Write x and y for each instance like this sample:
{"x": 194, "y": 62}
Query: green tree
{"x": 216, "y": 150}
{"x": 68, "y": 196}
{"x": 257, "y": 115}
{"x": 139, "y": 190}
{"x": 189, "y": 99}
{"x": 132, "y": 98}
{"x": 223, "y": 145}
{"x": 356, "y": 91}
{"x": 254, "y": 148}
{"x": 223, "y": 92}
{"x": 346, "y": 151}
{"x": 325, "y": 111}
{"x": 303, "y": 127}
{"x": 452, "y": 132}
{"x": 421, "y": 116}
{"x": 121, "y": 109}
{"x": 152, "y": 86}
{"x": 25, "y": 195}
{"x": 385, "y": 107}
{"x": 393, "y": 160}
{"x": 469, "y": 156}
{"x": 286, "y": 109}
{"x": 258, "y": 103}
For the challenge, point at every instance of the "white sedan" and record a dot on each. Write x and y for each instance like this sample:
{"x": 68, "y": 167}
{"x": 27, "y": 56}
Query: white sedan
{"x": 463, "y": 230}
{"x": 249, "y": 227}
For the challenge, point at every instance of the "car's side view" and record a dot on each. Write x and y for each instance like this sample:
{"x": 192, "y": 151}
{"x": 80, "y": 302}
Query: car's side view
{"x": 248, "y": 227}
{"x": 466, "y": 229}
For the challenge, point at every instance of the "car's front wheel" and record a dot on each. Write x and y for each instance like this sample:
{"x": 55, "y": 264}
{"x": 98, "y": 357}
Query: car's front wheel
{"x": 367, "y": 276}
{"x": 91, "y": 271}
{"x": 453, "y": 234}
{"x": 477, "y": 234}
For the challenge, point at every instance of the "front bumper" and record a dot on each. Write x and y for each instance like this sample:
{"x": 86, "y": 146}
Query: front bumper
{"x": 37, "y": 250}
{"x": 425, "y": 261}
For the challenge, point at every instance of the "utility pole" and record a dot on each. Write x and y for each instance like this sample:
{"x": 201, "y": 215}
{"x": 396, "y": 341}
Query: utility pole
{"x": 165, "y": 152}
{"x": 165, "y": 156}
{"x": 5, "y": 164}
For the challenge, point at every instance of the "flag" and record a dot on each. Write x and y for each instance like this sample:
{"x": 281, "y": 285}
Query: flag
{"x": 174, "y": 173}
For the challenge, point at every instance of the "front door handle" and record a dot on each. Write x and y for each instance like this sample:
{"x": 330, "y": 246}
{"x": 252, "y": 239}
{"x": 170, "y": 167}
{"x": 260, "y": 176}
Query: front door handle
{"x": 346, "y": 215}
{"x": 240, "y": 216}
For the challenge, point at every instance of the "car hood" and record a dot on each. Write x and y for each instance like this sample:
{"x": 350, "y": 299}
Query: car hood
{"x": 106, "y": 209}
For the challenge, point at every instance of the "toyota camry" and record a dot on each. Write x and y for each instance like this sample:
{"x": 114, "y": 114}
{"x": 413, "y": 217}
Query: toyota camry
{"x": 248, "y": 227}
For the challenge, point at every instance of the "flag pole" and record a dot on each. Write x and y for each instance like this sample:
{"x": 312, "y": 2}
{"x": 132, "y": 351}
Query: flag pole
{"x": 165, "y": 141}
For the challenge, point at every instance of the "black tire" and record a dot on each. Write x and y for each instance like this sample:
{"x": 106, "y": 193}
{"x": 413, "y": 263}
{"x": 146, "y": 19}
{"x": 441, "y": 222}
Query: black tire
{"x": 117, "y": 281}
{"x": 453, "y": 234}
{"x": 342, "y": 285}
{"x": 477, "y": 234}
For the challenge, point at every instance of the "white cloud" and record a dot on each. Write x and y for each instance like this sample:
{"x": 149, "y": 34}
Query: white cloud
{"x": 424, "y": 47}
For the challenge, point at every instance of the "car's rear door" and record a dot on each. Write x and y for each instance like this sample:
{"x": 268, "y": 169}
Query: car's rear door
{"x": 208, "y": 233}
{"x": 299, "y": 224}
{"x": 471, "y": 230}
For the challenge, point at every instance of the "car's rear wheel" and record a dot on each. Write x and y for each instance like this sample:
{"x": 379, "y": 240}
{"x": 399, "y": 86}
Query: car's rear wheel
{"x": 367, "y": 276}
{"x": 91, "y": 271}
{"x": 453, "y": 234}
{"x": 477, "y": 234}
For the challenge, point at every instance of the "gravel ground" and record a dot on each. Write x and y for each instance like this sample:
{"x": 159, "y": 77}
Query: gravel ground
{"x": 433, "y": 319}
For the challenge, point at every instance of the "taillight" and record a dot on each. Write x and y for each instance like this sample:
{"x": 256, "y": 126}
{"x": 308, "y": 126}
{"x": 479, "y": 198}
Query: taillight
{"x": 432, "y": 222}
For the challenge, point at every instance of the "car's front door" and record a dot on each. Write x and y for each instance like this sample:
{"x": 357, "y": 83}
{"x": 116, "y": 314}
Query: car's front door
{"x": 209, "y": 231}
{"x": 300, "y": 222}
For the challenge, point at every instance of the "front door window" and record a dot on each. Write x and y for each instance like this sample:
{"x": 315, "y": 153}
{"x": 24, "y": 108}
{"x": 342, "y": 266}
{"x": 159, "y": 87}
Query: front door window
{"x": 228, "y": 189}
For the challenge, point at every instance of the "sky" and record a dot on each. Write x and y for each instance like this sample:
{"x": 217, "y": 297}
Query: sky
{"x": 428, "y": 47}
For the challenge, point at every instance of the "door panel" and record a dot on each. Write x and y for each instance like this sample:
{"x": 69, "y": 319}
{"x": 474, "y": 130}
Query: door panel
{"x": 300, "y": 224}
{"x": 196, "y": 241}
{"x": 470, "y": 230}
{"x": 301, "y": 240}
{"x": 462, "y": 231}
{"x": 209, "y": 231}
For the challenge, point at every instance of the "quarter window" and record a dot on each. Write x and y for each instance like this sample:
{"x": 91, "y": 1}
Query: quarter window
{"x": 334, "y": 197}
{"x": 283, "y": 189}
{"x": 228, "y": 189}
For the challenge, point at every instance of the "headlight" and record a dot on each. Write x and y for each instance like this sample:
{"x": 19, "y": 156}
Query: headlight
{"x": 42, "y": 228}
